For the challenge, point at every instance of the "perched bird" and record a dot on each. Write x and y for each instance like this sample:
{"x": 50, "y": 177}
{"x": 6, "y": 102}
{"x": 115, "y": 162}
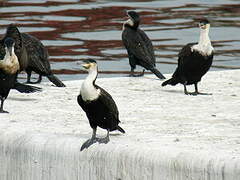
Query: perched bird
{"x": 9, "y": 67}
{"x": 98, "y": 105}
{"x": 194, "y": 60}
{"x": 32, "y": 55}
{"x": 139, "y": 46}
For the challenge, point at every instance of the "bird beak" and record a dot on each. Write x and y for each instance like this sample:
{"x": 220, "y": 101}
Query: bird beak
{"x": 86, "y": 66}
{"x": 202, "y": 25}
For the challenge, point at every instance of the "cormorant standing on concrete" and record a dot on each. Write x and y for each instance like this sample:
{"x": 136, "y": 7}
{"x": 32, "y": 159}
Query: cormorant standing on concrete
{"x": 194, "y": 60}
{"x": 98, "y": 105}
{"x": 138, "y": 45}
{"x": 9, "y": 67}
{"x": 32, "y": 55}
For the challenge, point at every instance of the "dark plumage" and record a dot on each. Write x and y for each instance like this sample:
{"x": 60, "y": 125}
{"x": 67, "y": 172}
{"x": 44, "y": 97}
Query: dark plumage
{"x": 138, "y": 45}
{"x": 98, "y": 105}
{"x": 32, "y": 55}
{"x": 9, "y": 67}
{"x": 194, "y": 60}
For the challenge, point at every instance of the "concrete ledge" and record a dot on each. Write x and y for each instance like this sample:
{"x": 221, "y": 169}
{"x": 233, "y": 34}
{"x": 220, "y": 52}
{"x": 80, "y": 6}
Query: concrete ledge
{"x": 170, "y": 136}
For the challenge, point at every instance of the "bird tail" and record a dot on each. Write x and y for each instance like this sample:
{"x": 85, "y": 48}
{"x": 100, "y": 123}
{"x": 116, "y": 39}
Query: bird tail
{"x": 157, "y": 73}
{"x": 120, "y": 129}
{"x": 23, "y": 88}
{"x": 55, "y": 80}
{"x": 172, "y": 81}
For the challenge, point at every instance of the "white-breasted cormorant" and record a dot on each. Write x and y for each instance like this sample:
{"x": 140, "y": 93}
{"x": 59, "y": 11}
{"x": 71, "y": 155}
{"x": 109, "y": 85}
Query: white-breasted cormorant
{"x": 98, "y": 105}
{"x": 194, "y": 60}
{"x": 9, "y": 67}
{"x": 32, "y": 55}
{"x": 138, "y": 45}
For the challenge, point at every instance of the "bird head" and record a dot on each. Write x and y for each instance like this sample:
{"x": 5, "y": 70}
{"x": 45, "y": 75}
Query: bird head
{"x": 90, "y": 65}
{"x": 134, "y": 19}
{"x": 9, "y": 45}
{"x": 204, "y": 23}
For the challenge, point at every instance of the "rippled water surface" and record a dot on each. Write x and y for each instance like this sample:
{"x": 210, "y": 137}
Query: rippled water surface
{"x": 76, "y": 30}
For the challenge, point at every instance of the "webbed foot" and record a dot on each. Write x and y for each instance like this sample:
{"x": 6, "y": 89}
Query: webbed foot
{"x": 2, "y": 111}
{"x": 191, "y": 93}
{"x": 197, "y": 93}
{"x": 104, "y": 140}
{"x": 88, "y": 143}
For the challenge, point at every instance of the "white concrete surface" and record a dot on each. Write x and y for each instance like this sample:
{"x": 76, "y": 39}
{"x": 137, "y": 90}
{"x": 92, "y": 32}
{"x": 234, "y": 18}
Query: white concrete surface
{"x": 169, "y": 136}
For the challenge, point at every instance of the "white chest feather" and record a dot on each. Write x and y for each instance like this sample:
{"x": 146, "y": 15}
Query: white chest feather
{"x": 204, "y": 49}
{"x": 10, "y": 64}
{"x": 88, "y": 90}
{"x": 204, "y": 45}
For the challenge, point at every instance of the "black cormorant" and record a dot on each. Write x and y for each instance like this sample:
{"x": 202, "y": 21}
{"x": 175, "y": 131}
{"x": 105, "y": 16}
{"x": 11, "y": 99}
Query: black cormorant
{"x": 32, "y": 55}
{"x": 9, "y": 67}
{"x": 194, "y": 60}
{"x": 138, "y": 45}
{"x": 98, "y": 105}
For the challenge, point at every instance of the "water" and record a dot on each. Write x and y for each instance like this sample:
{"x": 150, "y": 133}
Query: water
{"x": 75, "y": 30}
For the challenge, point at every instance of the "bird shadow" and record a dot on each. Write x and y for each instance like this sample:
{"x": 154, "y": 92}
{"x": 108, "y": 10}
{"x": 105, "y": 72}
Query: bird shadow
{"x": 180, "y": 92}
{"x": 21, "y": 99}
{"x": 153, "y": 78}
{"x": 115, "y": 134}
{"x": 174, "y": 91}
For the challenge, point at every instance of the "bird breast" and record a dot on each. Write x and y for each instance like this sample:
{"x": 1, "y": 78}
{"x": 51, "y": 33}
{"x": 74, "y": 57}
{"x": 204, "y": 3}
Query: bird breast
{"x": 89, "y": 92}
{"x": 9, "y": 64}
{"x": 205, "y": 50}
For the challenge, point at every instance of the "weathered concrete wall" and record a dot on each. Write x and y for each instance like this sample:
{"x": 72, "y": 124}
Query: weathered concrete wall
{"x": 169, "y": 136}
{"x": 50, "y": 157}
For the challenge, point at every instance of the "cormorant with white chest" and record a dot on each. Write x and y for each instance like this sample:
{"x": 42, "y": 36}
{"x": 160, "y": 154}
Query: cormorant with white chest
{"x": 194, "y": 60}
{"x": 32, "y": 55}
{"x": 98, "y": 105}
{"x": 9, "y": 67}
{"x": 139, "y": 46}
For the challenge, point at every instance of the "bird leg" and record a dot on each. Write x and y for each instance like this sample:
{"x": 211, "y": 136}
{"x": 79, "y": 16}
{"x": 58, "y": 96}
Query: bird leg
{"x": 1, "y": 108}
{"x": 185, "y": 88}
{"x": 142, "y": 72}
{"x": 29, "y": 73}
{"x": 29, "y": 78}
{"x": 104, "y": 140}
{"x": 190, "y": 93}
{"x": 197, "y": 92}
{"x": 91, "y": 141}
{"x": 194, "y": 93}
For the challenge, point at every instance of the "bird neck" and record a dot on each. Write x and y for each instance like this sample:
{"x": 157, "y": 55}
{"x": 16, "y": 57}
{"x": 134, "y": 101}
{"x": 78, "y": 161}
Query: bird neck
{"x": 10, "y": 63}
{"x": 204, "y": 46}
{"x": 88, "y": 91}
{"x": 92, "y": 76}
{"x": 204, "y": 39}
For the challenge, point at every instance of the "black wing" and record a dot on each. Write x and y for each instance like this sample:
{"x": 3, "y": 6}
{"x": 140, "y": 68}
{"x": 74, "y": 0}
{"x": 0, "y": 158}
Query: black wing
{"x": 81, "y": 102}
{"x": 138, "y": 44}
{"x": 186, "y": 51}
{"x": 148, "y": 45}
{"x": 108, "y": 102}
{"x": 183, "y": 55}
{"x": 37, "y": 54}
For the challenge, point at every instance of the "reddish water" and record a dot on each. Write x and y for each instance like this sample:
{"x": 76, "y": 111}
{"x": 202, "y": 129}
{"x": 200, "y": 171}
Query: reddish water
{"x": 76, "y": 30}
